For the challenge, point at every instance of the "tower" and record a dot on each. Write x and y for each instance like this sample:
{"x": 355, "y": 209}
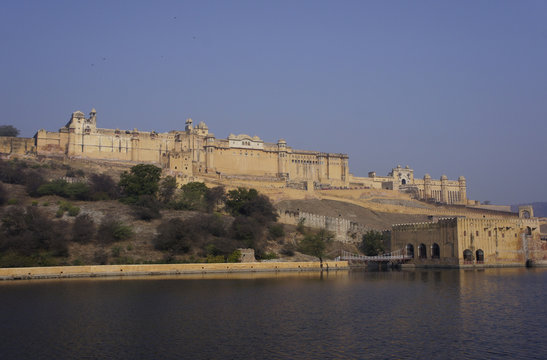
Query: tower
{"x": 282, "y": 158}
{"x": 444, "y": 189}
{"x": 462, "y": 190}
{"x": 427, "y": 187}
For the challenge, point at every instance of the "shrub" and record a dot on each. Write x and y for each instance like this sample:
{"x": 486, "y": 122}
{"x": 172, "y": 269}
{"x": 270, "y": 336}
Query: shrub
{"x": 167, "y": 189}
{"x": 174, "y": 235}
{"x": 372, "y": 243}
{"x": 276, "y": 231}
{"x": 30, "y": 230}
{"x": 288, "y": 249}
{"x": 103, "y": 187}
{"x": 247, "y": 229}
{"x": 33, "y": 181}
{"x": 216, "y": 259}
{"x": 73, "y": 211}
{"x": 13, "y": 201}
{"x": 116, "y": 251}
{"x": 147, "y": 207}
{"x": 9, "y": 130}
{"x": 234, "y": 257}
{"x": 100, "y": 257}
{"x": 3, "y": 194}
{"x": 112, "y": 230}
{"x": 83, "y": 229}
{"x": 143, "y": 179}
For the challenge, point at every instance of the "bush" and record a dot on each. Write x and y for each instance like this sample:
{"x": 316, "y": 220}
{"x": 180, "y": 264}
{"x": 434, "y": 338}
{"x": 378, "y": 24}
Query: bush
{"x": 372, "y": 243}
{"x": 143, "y": 179}
{"x": 234, "y": 257}
{"x": 112, "y": 230}
{"x": 9, "y": 130}
{"x": 167, "y": 189}
{"x": 29, "y": 230}
{"x": 147, "y": 208}
{"x": 216, "y": 259}
{"x": 83, "y": 229}
{"x": 73, "y": 211}
{"x": 100, "y": 257}
{"x": 248, "y": 230}
{"x": 192, "y": 197}
{"x": 3, "y": 194}
{"x": 33, "y": 181}
{"x": 276, "y": 231}
{"x": 103, "y": 187}
{"x": 288, "y": 249}
{"x": 13, "y": 201}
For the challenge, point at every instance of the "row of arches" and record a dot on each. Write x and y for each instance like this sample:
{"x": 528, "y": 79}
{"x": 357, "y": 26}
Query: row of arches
{"x": 422, "y": 251}
{"x": 468, "y": 256}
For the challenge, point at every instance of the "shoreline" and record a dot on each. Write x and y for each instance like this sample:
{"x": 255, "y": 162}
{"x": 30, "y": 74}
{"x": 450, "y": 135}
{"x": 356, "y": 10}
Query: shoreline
{"x": 91, "y": 271}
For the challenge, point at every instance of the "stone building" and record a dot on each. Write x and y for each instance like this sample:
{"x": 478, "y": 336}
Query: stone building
{"x": 505, "y": 240}
{"x": 402, "y": 179}
{"x": 194, "y": 152}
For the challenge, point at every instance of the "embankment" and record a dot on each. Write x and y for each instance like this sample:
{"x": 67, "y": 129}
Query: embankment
{"x": 162, "y": 269}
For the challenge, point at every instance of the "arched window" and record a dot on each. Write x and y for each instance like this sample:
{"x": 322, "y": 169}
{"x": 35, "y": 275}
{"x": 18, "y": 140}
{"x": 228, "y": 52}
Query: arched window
{"x": 410, "y": 250}
{"x": 468, "y": 256}
{"x": 422, "y": 251}
{"x": 403, "y": 182}
{"x": 480, "y": 256}
{"x": 435, "y": 251}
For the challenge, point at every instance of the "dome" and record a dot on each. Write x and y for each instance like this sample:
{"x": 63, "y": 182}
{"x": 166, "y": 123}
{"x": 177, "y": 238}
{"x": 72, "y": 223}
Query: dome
{"x": 444, "y": 177}
{"x": 202, "y": 125}
{"x": 427, "y": 176}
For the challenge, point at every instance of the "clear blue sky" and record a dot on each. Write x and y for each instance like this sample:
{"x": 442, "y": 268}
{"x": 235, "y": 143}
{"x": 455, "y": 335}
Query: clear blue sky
{"x": 447, "y": 87}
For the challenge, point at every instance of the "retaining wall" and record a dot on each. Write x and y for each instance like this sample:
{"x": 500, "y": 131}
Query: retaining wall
{"x": 162, "y": 269}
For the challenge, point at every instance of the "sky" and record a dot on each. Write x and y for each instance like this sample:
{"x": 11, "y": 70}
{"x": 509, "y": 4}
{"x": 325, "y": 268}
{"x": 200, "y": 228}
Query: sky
{"x": 446, "y": 87}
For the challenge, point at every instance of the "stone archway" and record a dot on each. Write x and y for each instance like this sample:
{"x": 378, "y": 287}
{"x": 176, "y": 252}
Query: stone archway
{"x": 409, "y": 249}
{"x": 467, "y": 256}
{"x": 479, "y": 254}
{"x": 435, "y": 251}
{"x": 422, "y": 251}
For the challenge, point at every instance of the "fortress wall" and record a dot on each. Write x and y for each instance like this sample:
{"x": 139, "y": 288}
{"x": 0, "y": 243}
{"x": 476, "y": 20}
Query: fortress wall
{"x": 344, "y": 230}
{"x": 16, "y": 145}
{"x": 443, "y": 233}
{"x": 245, "y": 161}
{"x": 163, "y": 269}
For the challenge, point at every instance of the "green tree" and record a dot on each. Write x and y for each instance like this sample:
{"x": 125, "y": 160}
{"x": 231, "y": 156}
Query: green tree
{"x": 252, "y": 204}
{"x": 8, "y": 130}
{"x": 143, "y": 179}
{"x": 192, "y": 196}
{"x": 372, "y": 243}
{"x": 315, "y": 244}
{"x": 168, "y": 185}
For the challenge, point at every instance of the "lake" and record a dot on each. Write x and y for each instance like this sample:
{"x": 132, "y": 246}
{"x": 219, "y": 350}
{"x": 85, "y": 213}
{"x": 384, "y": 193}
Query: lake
{"x": 421, "y": 314}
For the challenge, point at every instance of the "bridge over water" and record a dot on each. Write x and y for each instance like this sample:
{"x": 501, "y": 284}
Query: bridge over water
{"x": 394, "y": 257}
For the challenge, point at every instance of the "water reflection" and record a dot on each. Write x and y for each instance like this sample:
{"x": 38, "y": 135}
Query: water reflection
{"x": 395, "y": 314}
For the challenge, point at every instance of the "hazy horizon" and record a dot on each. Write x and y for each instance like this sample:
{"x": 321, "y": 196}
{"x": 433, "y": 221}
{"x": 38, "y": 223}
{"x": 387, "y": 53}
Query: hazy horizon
{"x": 455, "y": 88}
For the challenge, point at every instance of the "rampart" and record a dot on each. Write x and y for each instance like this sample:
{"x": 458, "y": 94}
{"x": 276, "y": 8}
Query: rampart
{"x": 163, "y": 269}
{"x": 344, "y": 230}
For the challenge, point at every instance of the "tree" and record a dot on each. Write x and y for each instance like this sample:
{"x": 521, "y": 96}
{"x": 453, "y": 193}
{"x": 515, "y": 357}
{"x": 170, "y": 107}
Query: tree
{"x": 192, "y": 196}
{"x": 372, "y": 243}
{"x": 250, "y": 203}
{"x": 315, "y": 244}
{"x": 143, "y": 179}
{"x": 103, "y": 187}
{"x": 8, "y": 130}
{"x": 167, "y": 189}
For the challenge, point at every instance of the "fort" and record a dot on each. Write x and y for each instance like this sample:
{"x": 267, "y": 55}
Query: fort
{"x": 196, "y": 153}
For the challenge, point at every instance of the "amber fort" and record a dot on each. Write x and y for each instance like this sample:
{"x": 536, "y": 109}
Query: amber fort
{"x": 195, "y": 152}
{"x": 459, "y": 231}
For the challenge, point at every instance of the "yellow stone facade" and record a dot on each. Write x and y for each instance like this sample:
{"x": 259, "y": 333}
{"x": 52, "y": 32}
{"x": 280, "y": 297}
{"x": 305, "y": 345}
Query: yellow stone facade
{"x": 464, "y": 241}
{"x": 194, "y": 152}
{"x": 402, "y": 179}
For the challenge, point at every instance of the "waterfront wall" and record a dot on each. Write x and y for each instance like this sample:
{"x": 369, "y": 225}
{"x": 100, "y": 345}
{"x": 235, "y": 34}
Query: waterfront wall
{"x": 162, "y": 269}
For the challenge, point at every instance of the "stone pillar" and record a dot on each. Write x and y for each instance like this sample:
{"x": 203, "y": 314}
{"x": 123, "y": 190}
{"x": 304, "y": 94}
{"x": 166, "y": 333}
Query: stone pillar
{"x": 444, "y": 189}
{"x": 135, "y": 145}
{"x": 427, "y": 187}
{"x": 462, "y": 190}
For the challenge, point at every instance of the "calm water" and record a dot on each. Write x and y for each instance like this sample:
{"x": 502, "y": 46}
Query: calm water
{"x": 448, "y": 314}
